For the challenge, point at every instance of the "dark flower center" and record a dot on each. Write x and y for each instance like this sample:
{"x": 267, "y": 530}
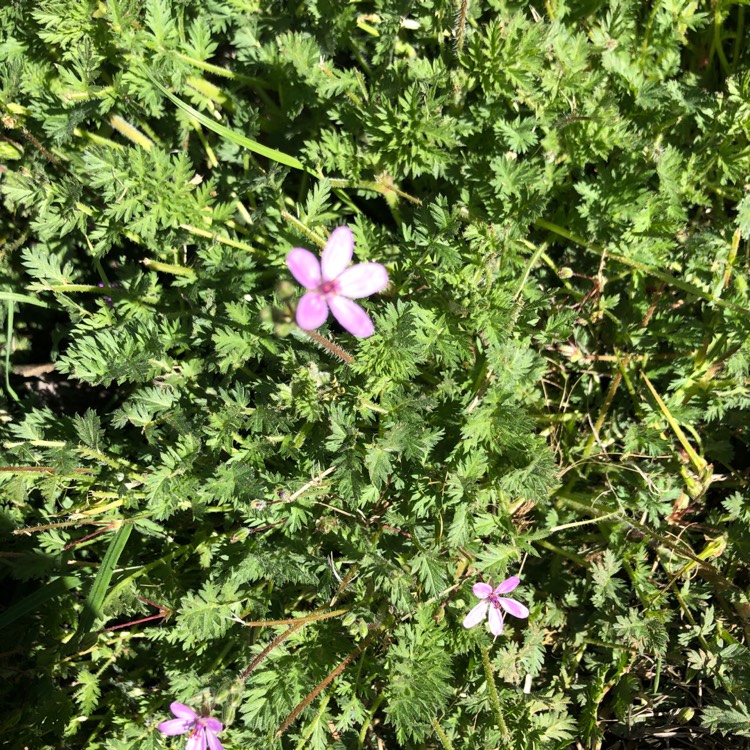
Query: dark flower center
{"x": 327, "y": 288}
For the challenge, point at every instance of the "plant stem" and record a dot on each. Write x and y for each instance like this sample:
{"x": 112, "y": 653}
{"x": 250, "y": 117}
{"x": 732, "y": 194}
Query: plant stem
{"x": 461, "y": 25}
{"x": 494, "y": 697}
{"x": 334, "y": 349}
{"x": 685, "y": 286}
{"x": 293, "y": 620}
{"x": 442, "y": 736}
{"x": 307, "y": 700}
{"x": 368, "y": 721}
{"x": 297, "y": 224}
{"x": 267, "y": 650}
{"x": 214, "y": 237}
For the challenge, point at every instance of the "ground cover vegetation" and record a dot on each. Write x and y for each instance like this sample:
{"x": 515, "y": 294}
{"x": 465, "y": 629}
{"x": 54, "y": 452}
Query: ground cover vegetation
{"x": 281, "y": 534}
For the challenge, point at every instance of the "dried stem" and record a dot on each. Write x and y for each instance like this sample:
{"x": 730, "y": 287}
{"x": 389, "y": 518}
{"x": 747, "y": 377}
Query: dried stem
{"x": 461, "y": 25}
{"x": 32, "y": 139}
{"x": 298, "y": 623}
{"x": 11, "y": 123}
{"x": 267, "y": 650}
{"x": 13, "y": 246}
{"x": 293, "y": 620}
{"x": 308, "y": 699}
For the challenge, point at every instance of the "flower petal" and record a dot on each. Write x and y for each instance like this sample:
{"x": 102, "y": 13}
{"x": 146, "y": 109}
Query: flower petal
{"x": 181, "y": 711}
{"x": 312, "y": 311}
{"x": 481, "y": 590}
{"x": 507, "y": 585}
{"x": 175, "y": 726}
{"x": 337, "y": 253}
{"x": 196, "y": 741}
{"x": 213, "y": 741}
{"x": 213, "y": 725}
{"x": 513, "y": 607}
{"x": 305, "y": 267}
{"x": 476, "y": 615}
{"x": 351, "y": 316}
{"x": 496, "y": 621}
{"x": 362, "y": 280}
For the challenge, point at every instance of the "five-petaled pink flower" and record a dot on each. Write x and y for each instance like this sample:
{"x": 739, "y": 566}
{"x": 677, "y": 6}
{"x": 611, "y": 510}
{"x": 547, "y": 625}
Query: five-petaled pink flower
{"x": 332, "y": 284}
{"x": 492, "y": 600}
{"x": 202, "y": 729}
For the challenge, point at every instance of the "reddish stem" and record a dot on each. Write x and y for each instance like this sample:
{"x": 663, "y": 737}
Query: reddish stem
{"x": 109, "y": 527}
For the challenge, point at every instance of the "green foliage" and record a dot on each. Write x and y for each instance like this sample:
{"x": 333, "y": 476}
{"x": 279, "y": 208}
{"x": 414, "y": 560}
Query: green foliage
{"x": 200, "y": 502}
{"x": 418, "y": 673}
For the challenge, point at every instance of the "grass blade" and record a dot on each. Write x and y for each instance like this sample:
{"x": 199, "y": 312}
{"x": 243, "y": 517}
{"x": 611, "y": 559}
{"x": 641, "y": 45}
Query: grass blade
{"x": 8, "y": 346}
{"x": 231, "y": 135}
{"x": 698, "y": 461}
{"x": 24, "y": 298}
{"x": 93, "y": 605}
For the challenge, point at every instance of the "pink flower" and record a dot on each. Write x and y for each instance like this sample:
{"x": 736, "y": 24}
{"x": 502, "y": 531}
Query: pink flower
{"x": 332, "y": 285}
{"x": 202, "y": 729}
{"x": 495, "y": 603}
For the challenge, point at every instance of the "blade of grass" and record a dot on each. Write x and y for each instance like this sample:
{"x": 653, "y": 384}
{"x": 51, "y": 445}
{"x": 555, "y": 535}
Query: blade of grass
{"x": 231, "y": 135}
{"x": 95, "y": 598}
{"x": 698, "y": 462}
{"x": 8, "y": 346}
{"x": 538, "y": 251}
{"x": 24, "y": 298}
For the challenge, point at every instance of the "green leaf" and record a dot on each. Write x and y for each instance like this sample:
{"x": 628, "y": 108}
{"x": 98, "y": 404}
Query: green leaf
{"x": 378, "y": 463}
{"x": 89, "y": 429}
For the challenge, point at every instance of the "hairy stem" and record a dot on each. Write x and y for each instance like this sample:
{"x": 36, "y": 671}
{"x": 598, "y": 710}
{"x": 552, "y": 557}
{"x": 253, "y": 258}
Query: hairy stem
{"x": 334, "y": 349}
{"x": 267, "y": 650}
{"x": 494, "y": 697}
{"x": 308, "y": 699}
{"x": 461, "y": 24}
{"x": 442, "y": 736}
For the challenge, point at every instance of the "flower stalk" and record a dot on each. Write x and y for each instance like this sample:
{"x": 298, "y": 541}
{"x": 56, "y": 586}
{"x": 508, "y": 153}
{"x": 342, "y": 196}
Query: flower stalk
{"x": 494, "y": 697}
